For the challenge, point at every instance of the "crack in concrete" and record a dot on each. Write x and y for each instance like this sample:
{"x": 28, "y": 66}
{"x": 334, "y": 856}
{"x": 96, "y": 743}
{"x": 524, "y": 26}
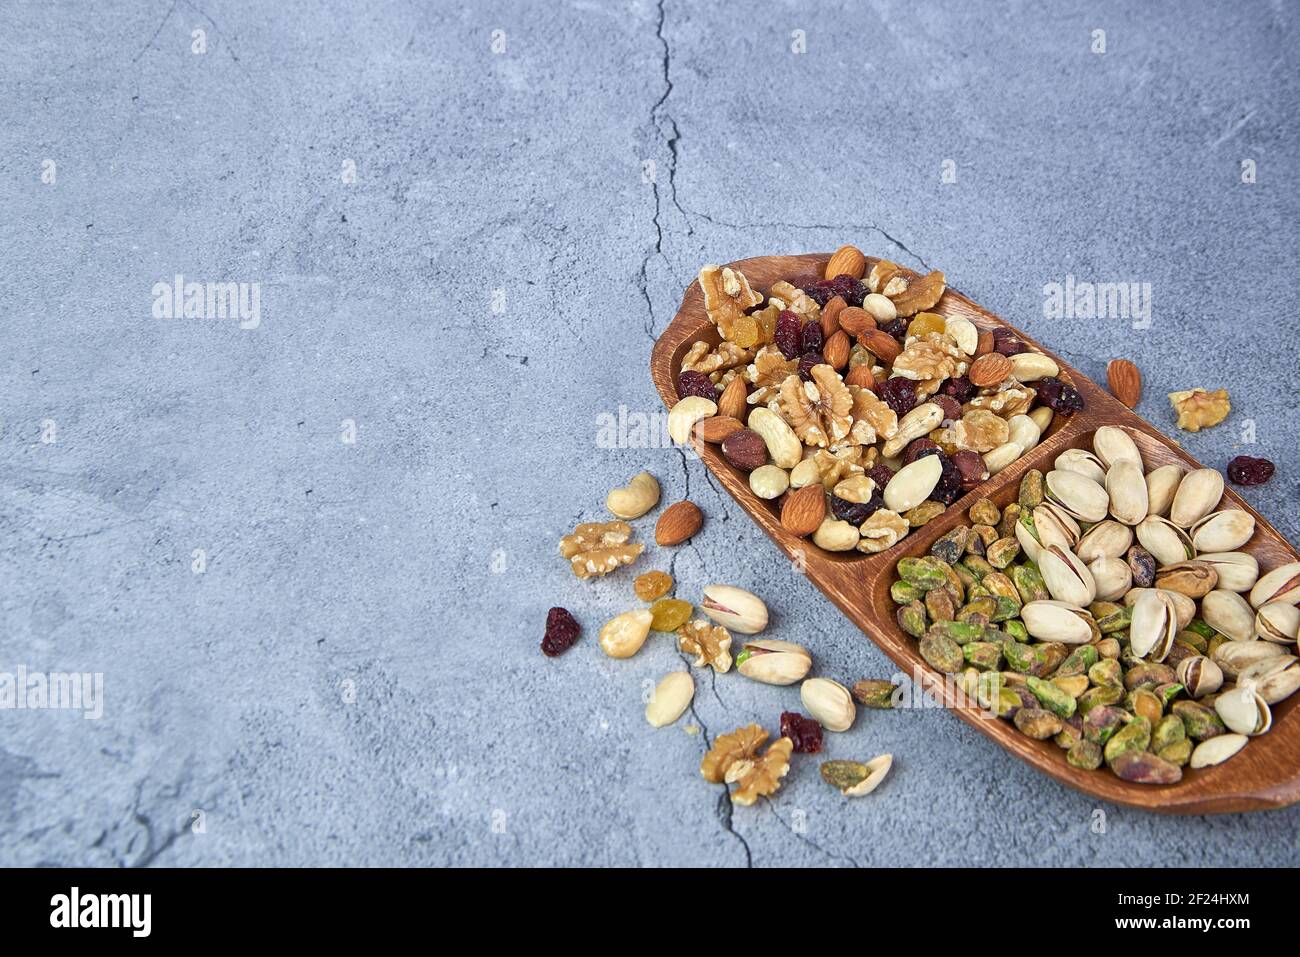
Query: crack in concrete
{"x": 806, "y": 839}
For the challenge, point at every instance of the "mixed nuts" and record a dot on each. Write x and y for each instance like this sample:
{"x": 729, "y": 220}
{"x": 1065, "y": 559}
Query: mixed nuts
{"x": 849, "y": 402}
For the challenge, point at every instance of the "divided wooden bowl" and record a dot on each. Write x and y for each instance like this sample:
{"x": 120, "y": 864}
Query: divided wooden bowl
{"x": 1264, "y": 774}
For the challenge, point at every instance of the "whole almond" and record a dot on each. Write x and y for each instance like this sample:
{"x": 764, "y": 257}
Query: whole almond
{"x": 679, "y": 521}
{"x": 803, "y": 509}
{"x": 855, "y": 321}
{"x": 836, "y": 350}
{"x": 732, "y": 401}
{"x": 860, "y": 375}
{"x": 989, "y": 370}
{"x": 745, "y": 449}
{"x": 716, "y": 428}
{"x": 881, "y": 345}
{"x": 831, "y": 316}
{"x": 847, "y": 260}
{"x": 984, "y": 345}
{"x": 1125, "y": 381}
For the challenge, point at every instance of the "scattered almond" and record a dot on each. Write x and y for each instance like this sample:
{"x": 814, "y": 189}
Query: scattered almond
{"x": 732, "y": 401}
{"x": 1125, "y": 381}
{"x": 679, "y": 521}
{"x": 989, "y": 369}
{"x": 836, "y": 351}
{"x": 860, "y": 375}
{"x": 717, "y": 427}
{"x": 803, "y": 509}
{"x": 847, "y": 260}
{"x": 855, "y": 321}
{"x": 881, "y": 345}
{"x": 831, "y": 316}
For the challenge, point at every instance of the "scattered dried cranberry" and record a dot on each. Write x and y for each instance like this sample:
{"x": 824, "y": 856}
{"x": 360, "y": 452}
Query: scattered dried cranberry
{"x": 857, "y": 512}
{"x": 1247, "y": 470}
{"x": 810, "y": 339}
{"x": 896, "y": 328}
{"x": 788, "y": 334}
{"x": 1007, "y": 342}
{"x": 1060, "y": 397}
{"x": 951, "y": 407}
{"x": 960, "y": 388}
{"x": 898, "y": 393}
{"x": 913, "y": 450}
{"x": 561, "y": 632}
{"x": 806, "y": 363}
{"x": 971, "y": 466}
{"x": 804, "y": 732}
{"x": 880, "y": 474}
{"x": 696, "y": 383}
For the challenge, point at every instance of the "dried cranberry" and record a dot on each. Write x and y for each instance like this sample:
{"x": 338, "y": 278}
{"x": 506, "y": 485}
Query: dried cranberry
{"x": 810, "y": 339}
{"x": 971, "y": 466}
{"x": 960, "y": 388}
{"x": 1247, "y": 470}
{"x": 1060, "y": 397}
{"x": 804, "y": 732}
{"x": 951, "y": 407}
{"x": 898, "y": 393}
{"x": 819, "y": 292}
{"x": 856, "y": 512}
{"x": 561, "y": 632}
{"x": 855, "y": 295}
{"x": 806, "y": 363}
{"x": 1007, "y": 342}
{"x": 913, "y": 450}
{"x": 880, "y": 474}
{"x": 696, "y": 383}
{"x": 896, "y": 328}
{"x": 788, "y": 334}
{"x": 843, "y": 285}
{"x": 949, "y": 487}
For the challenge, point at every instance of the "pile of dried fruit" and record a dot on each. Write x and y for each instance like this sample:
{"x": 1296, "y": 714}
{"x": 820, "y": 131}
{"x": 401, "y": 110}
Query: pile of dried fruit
{"x": 1143, "y": 655}
{"x": 595, "y": 549}
{"x": 864, "y": 413}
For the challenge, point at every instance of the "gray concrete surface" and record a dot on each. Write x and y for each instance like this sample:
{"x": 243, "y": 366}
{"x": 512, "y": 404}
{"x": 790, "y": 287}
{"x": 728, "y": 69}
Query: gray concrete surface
{"x": 353, "y": 678}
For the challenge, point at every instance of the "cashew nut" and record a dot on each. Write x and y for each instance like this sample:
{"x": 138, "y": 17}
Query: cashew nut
{"x": 782, "y": 444}
{"x": 634, "y": 499}
{"x": 684, "y": 415}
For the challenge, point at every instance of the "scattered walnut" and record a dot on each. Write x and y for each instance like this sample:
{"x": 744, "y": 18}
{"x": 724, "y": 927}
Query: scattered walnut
{"x": 727, "y": 294}
{"x": 734, "y": 759}
{"x": 709, "y": 643}
{"x": 768, "y": 370}
{"x": 881, "y": 530}
{"x": 597, "y": 548}
{"x": 712, "y": 361}
{"x": 979, "y": 430}
{"x": 1198, "y": 409}
{"x": 818, "y": 411}
{"x": 1013, "y": 400}
{"x": 872, "y": 418}
{"x": 932, "y": 356}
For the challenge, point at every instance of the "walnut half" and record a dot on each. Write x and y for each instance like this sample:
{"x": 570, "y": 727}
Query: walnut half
{"x": 709, "y": 643}
{"x": 597, "y": 548}
{"x": 734, "y": 759}
{"x": 1198, "y": 409}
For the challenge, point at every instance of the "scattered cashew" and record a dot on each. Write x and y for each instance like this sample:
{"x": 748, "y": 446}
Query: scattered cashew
{"x": 634, "y": 499}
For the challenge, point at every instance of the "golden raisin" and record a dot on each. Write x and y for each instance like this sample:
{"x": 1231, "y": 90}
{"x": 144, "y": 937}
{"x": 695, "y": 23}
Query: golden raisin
{"x": 926, "y": 322}
{"x": 669, "y": 614}
{"x": 652, "y": 585}
{"x": 745, "y": 332}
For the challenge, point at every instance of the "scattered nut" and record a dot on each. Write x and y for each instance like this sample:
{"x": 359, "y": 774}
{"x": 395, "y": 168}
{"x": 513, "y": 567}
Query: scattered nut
{"x": 829, "y": 702}
{"x": 1198, "y": 409}
{"x": 634, "y": 499}
{"x": 597, "y": 548}
{"x": 623, "y": 635}
{"x": 678, "y": 523}
{"x": 670, "y": 699}
{"x": 709, "y": 643}
{"x": 1125, "y": 381}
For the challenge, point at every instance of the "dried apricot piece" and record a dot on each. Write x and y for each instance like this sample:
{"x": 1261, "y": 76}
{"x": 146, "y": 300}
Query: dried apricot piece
{"x": 669, "y": 614}
{"x": 652, "y": 585}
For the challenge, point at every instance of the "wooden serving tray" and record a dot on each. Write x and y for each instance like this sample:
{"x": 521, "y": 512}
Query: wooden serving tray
{"x": 1264, "y": 774}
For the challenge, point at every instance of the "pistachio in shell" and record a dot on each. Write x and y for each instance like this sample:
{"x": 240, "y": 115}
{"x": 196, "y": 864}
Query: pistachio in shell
{"x": 1127, "y": 488}
{"x": 1223, "y": 531}
{"x": 1162, "y": 483}
{"x": 1083, "y": 462}
{"x": 1191, "y": 578}
{"x": 1281, "y": 584}
{"x": 1143, "y": 566}
{"x": 1278, "y": 622}
{"x": 1200, "y": 676}
{"x": 1112, "y": 577}
{"x": 1106, "y": 539}
{"x": 1081, "y": 498}
{"x": 1276, "y": 679}
{"x": 1056, "y": 621}
{"x": 1237, "y": 571}
{"x": 1198, "y": 494}
{"x": 1154, "y": 625}
{"x": 1163, "y": 539}
{"x": 1067, "y": 578}
{"x": 1229, "y": 614}
{"x": 1113, "y": 446}
{"x": 1243, "y": 711}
